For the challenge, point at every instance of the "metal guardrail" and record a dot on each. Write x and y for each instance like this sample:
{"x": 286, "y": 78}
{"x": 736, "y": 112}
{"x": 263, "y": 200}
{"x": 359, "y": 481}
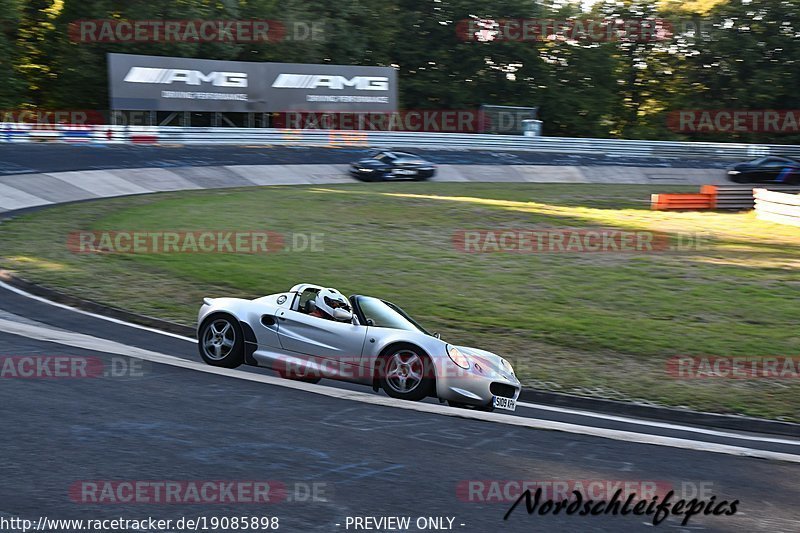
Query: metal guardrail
{"x": 741, "y": 197}
{"x": 387, "y": 139}
{"x": 777, "y": 207}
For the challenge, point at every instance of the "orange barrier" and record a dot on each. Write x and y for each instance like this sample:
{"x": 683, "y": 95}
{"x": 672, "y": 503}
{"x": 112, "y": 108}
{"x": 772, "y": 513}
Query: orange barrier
{"x": 712, "y": 191}
{"x": 705, "y": 199}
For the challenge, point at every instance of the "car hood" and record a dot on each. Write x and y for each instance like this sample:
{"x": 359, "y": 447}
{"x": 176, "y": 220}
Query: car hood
{"x": 488, "y": 360}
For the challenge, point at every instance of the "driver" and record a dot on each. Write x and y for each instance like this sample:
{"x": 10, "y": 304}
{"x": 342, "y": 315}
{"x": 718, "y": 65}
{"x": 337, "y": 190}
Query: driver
{"x": 332, "y": 305}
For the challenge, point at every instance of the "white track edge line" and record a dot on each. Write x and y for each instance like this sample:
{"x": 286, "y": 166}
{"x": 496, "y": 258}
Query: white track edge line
{"x": 588, "y": 414}
{"x": 88, "y": 342}
{"x": 26, "y": 294}
{"x": 664, "y": 425}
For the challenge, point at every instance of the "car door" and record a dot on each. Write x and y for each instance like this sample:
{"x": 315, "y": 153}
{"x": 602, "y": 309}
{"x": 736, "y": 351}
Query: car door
{"x": 788, "y": 174}
{"x": 265, "y": 327}
{"x": 771, "y": 169}
{"x": 320, "y": 338}
{"x": 404, "y": 167}
{"x": 262, "y": 319}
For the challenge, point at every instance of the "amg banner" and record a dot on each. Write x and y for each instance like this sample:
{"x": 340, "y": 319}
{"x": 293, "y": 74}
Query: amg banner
{"x": 155, "y": 83}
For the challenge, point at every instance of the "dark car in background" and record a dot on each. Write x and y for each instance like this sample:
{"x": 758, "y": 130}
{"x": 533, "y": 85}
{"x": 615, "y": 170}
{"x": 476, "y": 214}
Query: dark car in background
{"x": 391, "y": 165}
{"x": 772, "y": 169}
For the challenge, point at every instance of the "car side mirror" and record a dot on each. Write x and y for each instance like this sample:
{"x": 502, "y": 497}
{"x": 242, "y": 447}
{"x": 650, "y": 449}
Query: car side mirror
{"x": 437, "y": 335}
{"x": 370, "y": 322}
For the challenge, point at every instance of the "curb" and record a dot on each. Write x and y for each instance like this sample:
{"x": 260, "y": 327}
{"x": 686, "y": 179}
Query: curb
{"x": 663, "y": 414}
{"x": 555, "y": 399}
{"x": 94, "y": 307}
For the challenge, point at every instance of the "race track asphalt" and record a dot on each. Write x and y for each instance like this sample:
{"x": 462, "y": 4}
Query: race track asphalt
{"x": 167, "y": 423}
{"x": 34, "y": 158}
{"x": 160, "y": 422}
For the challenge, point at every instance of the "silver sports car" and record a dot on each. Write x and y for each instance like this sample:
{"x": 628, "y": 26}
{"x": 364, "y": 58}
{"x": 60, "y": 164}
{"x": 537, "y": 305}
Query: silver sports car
{"x": 382, "y": 347}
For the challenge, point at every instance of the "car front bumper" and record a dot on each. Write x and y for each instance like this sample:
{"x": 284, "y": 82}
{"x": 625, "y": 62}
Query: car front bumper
{"x": 474, "y": 387}
{"x": 365, "y": 173}
{"x": 382, "y": 174}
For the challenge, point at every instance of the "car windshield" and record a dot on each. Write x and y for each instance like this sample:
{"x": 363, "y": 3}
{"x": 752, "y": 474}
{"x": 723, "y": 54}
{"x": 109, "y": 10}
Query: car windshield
{"x": 387, "y": 315}
{"x": 384, "y": 157}
{"x": 774, "y": 162}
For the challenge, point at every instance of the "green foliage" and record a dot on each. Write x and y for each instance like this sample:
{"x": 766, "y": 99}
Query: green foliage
{"x": 570, "y": 321}
{"x": 747, "y": 59}
{"x": 11, "y": 90}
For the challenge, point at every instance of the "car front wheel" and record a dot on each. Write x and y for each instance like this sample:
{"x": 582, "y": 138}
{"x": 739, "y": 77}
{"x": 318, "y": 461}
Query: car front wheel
{"x": 406, "y": 373}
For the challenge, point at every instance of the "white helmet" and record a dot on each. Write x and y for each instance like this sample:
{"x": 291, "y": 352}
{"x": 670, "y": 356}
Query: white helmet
{"x": 334, "y": 303}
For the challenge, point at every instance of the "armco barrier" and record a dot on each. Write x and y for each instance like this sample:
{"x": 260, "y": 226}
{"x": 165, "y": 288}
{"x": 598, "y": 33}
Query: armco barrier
{"x": 777, "y": 207}
{"x": 740, "y": 197}
{"x": 385, "y": 139}
{"x": 734, "y": 197}
{"x": 722, "y": 197}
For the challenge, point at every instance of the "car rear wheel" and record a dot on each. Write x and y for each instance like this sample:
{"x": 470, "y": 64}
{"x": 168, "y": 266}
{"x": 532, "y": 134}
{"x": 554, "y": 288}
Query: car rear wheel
{"x": 406, "y": 373}
{"x": 221, "y": 342}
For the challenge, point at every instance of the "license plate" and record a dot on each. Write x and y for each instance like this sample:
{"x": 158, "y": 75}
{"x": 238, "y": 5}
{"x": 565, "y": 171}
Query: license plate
{"x": 507, "y": 404}
{"x": 405, "y": 172}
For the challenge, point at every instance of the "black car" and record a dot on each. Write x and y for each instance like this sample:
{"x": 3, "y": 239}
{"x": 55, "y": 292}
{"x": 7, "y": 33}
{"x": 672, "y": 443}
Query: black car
{"x": 391, "y": 166}
{"x": 773, "y": 169}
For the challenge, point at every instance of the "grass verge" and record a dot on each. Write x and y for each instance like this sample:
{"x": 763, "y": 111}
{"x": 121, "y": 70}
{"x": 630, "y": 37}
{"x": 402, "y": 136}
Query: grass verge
{"x": 602, "y": 324}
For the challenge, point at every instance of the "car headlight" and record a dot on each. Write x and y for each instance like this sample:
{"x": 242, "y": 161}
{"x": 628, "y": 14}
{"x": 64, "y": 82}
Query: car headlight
{"x": 734, "y": 172}
{"x": 366, "y": 170}
{"x": 507, "y": 366}
{"x": 457, "y": 357}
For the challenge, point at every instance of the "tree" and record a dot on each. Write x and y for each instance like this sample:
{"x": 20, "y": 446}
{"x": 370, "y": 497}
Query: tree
{"x": 749, "y": 61}
{"x": 11, "y": 86}
{"x": 624, "y": 88}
